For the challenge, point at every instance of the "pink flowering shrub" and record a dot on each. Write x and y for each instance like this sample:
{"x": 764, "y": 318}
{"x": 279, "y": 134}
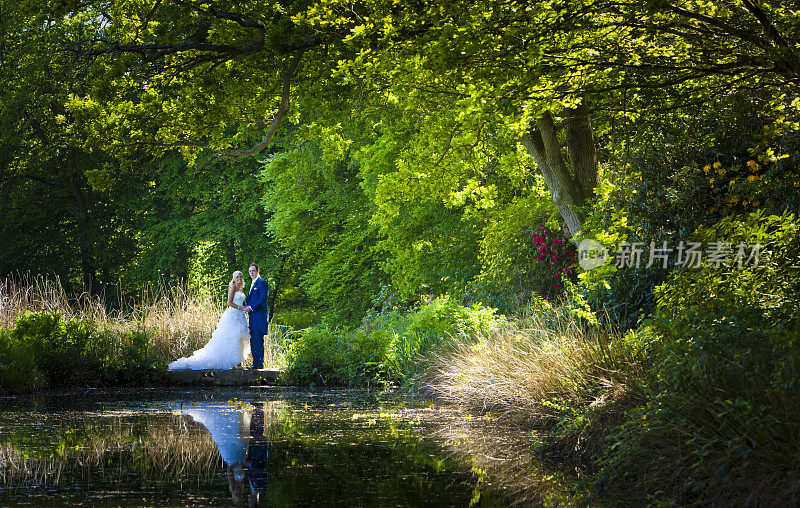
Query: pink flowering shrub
{"x": 522, "y": 262}
{"x": 557, "y": 255}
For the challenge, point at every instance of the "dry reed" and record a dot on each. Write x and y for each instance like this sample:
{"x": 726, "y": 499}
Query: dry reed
{"x": 531, "y": 373}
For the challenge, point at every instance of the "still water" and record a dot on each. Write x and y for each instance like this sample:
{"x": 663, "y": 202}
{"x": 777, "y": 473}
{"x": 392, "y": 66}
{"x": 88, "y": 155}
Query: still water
{"x": 264, "y": 447}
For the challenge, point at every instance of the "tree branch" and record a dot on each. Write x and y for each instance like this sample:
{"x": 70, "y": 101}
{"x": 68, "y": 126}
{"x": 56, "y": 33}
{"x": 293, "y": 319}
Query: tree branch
{"x": 276, "y": 120}
{"x": 775, "y": 36}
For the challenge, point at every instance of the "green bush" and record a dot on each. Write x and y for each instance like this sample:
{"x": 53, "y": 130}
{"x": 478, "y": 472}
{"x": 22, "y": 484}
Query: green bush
{"x": 389, "y": 347}
{"x": 432, "y": 328}
{"x": 721, "y": 384}
{"x": 445, "y": 318}
{"x": 18, "y": 369}
{"x": 64, "y": 351}
{"x": 44, "y": 350}
{"x": 315, "y": 356}
{"x": 322, "y": 355}
{"x": 730, "y": 166}
{"x": 296, "y": 318}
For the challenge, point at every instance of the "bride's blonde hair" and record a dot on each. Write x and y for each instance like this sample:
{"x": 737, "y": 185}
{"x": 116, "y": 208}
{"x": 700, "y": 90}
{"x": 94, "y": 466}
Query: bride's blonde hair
{"x": 233, "y": 279}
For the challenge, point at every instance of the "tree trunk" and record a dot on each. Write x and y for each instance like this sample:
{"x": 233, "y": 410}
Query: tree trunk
{"x": 582, "y": 151}
{"x": 569, "y": 192}
{"x": 230, "y": 253}
{"x": 84, "y": 236}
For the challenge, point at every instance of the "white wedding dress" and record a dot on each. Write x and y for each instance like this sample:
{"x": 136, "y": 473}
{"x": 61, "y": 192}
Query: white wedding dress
{"x": 229, "y": 345}
{"x": 229, "y": 428}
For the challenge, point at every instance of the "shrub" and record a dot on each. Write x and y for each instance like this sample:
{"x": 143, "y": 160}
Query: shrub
{"x": 45, "y": 350}
{"x": 389, "y": 347}
{"x": 64, "y": 351}
{"x": 719, "y": 425}
{"x": 522, "y": 263}
{"x": 296, "y": 318}
{"x": 18, "y": 369}
{"x": 327, "y": 356}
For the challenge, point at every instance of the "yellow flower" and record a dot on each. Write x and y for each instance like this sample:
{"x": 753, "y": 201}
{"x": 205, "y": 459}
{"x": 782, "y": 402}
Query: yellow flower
{"x": 706, "y": 168}
{"x": 751, "y": 178}
{"x": 711, "y": 182}
{"x": 732, "y": 182}
{"x": 721, "y": 171}
{"x": 717, "y": 165}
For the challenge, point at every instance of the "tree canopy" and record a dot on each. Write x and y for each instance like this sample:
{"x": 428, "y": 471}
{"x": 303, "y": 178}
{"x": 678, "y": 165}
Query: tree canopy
{"x": 370, "y": 144}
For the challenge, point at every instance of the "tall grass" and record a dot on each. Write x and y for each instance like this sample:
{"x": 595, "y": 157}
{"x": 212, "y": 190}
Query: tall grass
{"x": 535, "y": 369}
{"x": 175, "y": 321}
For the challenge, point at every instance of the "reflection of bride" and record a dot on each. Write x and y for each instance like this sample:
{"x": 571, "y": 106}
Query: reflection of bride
{"x": 230, "y": 430}
{"x": 230, "y": 342}
{"x": 239, "y": 436}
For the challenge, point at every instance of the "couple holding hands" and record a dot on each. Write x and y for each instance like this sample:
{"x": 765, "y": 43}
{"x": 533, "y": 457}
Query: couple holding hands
{"x": 241, "y": 328}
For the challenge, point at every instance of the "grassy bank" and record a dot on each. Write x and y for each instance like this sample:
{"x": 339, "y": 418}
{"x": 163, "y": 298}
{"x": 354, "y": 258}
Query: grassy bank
{"x": 49, "y": 339}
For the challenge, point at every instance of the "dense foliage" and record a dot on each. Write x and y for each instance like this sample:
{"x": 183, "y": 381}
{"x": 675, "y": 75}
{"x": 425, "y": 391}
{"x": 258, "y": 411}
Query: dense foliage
{"x": 43, "y": 350}
{"x": 387, "y": 347}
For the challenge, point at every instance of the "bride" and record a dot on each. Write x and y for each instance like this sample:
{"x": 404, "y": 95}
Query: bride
{"x": 230, "y": 342}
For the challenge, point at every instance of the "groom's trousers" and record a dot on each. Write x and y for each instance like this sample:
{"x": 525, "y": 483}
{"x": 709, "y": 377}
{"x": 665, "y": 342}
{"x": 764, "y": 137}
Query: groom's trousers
{"x": 257, "y": 346}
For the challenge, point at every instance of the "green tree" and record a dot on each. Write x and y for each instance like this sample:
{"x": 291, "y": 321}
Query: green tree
{"x": 58, "y": 217}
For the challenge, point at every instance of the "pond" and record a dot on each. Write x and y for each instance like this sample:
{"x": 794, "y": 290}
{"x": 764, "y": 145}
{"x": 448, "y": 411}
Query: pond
{"x": 262, "y": 446}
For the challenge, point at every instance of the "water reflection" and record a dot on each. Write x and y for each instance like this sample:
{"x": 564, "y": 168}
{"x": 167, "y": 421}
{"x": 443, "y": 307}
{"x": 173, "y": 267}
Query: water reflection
{"x": 257, "y": 455}
{"x": 238, "y": 433}
{"x": 262, "y": 448}
{"x": 503, "y": 454}
{"x": 257, "y": 448}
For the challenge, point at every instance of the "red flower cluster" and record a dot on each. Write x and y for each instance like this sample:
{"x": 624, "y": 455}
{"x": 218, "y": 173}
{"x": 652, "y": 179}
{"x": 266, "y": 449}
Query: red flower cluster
{"x": 553, "y": 249}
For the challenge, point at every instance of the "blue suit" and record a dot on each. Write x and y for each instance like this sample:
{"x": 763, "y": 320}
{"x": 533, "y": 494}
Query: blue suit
{"x": 257, "y": 299}
{"x": 257, "y": 454}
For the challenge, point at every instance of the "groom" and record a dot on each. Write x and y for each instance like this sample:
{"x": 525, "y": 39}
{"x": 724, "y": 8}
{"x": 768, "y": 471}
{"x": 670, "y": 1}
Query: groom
{"x": 258, "y": 311}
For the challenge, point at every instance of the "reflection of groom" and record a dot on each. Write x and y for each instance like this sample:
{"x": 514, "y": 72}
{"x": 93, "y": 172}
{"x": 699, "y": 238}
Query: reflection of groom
{"x": 256, "y": 458}
{"x": 258, "y": 310}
